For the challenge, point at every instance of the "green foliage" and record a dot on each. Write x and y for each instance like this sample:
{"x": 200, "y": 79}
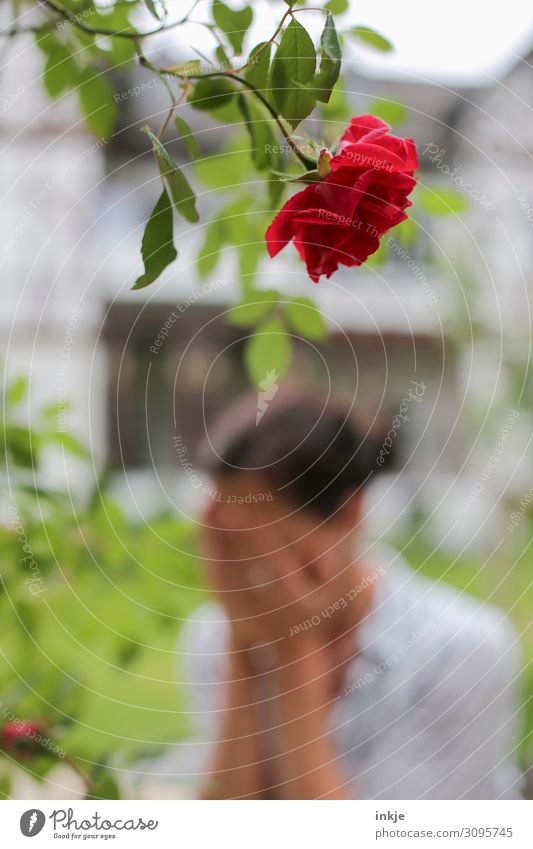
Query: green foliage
{"x": 441, "y": 201}
{"x": 330, "y": 62}
{"x": 76, "y": 61}
{"x": 224, "y": 169}
{"x": 259, "y": 128}
{"x": 152, "y": 8}
{"x": 259, "y": 65}
{"x": 391, "y": 111}
{"x": 97, "y": 104}
{"x": 211, "y": 94}
{"x": 20, "y": 445}
{"x": 293, "y": 68}
{"x": 406, "y": 232}
{"x": 335, "y": 113}
{"x": 187, "y": 136}
{"x": 182, "y": 195}
{"x": 306, "y": 320}
{"x": 115, "y": 594}
{"x": 228, "y": 227}
{"x": 256, "y": 307}
{"x": 186, "y": 69}
{"x": 60, "y": 69}
{"x": 337, "y": 7}
{"x": 233, "y": 24}
{"x": 371, "y": 37}
{"x": 90, "y": 606}
{"x": 157, "y": 248}
{"x": 268, "y": 351}
{"x": 16, "y": 391}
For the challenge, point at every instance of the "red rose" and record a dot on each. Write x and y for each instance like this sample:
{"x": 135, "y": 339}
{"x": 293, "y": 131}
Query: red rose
{"x": 22, "y": 739}
{"x": 340, "y": 219}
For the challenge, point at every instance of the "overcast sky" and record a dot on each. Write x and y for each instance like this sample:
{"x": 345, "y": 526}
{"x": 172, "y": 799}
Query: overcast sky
{"x": 455, "y": 41}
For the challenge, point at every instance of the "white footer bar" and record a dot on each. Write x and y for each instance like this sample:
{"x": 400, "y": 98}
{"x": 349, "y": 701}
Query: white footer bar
{"x": 268, "y": 825}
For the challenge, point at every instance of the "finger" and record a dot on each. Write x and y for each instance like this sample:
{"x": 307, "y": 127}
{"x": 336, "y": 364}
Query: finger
{"x": 328, "y": 565}
{"x": 219, "y": 542}
{"x": 212, "y": 514}
{"x": 284, "y": 580}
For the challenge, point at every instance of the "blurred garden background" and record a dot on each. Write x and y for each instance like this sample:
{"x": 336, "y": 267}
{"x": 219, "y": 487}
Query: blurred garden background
{"x": 99, "y": 557}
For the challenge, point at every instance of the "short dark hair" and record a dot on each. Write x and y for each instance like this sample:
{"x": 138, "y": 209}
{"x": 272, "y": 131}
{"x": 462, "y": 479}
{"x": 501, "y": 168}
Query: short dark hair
{"x": 311, "y": 452}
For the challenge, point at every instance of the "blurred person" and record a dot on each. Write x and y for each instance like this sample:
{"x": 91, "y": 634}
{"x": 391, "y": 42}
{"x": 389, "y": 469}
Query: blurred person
{"x": 327, "y": 668}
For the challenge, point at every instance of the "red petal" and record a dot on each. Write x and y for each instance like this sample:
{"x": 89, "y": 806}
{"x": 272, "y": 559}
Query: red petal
{"x": 361, "y": 126}
{"x": 281, "y": 230}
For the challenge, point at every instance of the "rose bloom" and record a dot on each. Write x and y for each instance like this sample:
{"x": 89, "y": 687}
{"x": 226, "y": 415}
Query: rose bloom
{"x": 340, "y": 219}
{"x": 19, "y": 738}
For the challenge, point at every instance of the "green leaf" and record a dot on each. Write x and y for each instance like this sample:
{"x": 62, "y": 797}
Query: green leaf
{"x": 122, "y": 53}
{"x": 238, "y": 222}
{"x": 293, "y": 68}
{"x": 211, "y": 94}
{"x": 98, "y": 104}
{"x": 22, "y": 444}
{"x": 187, "y": 136}
{"x": 250, "y": 255}
{"x": 115, "y": 51}
{"x": 16, "y": 391}
{"x": 70, "y": 443}
{"x": 60, "y": 70}
{"x": 222, "y": 57}
{"x": 45, "y": 40}
{"x": 379, "y": 257}
{"x": 336, "y": 110}
{"x": 5, "y": 787}
{"x": 372, "y": 38}
{"x": 183, "y": 197}
{"x": 185, "y": 69}
{"x": 390, "y": 111}
{"x": 104, "y": 786}
{"x": 275, "y": 191}
{"x": 268, "y": 351}
{"x": 152, "y": 8}
{"x": 227, "y": 227}
{"x": 259, "y": 65}
{"x": 157, "y": 247}
{"x": 52, "y": 411}
{"x": 210, "y": 251}
{"x": 222, "y": 170}
{"x": 256, "y": 307}
{"x": 303, "y": 315}
{"x": 233, "y": 24}
{"x": 406, "y": 232}
{"x": 337, "y": 7}
{"x": 111, "y": 17}
{"x": 330, "y": 62}
{"x": 441, "y": 201}
{"x": 259, "y": 129}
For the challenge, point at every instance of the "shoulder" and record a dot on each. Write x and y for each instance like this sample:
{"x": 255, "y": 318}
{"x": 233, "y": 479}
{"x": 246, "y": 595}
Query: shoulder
{"x": 472, "y": 651}
{"x": 449, "y": 629}
{"x": 470, "y": 630}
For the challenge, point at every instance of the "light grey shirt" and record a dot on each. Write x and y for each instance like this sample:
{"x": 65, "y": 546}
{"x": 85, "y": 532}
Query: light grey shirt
{"x": 428, "y": 709}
